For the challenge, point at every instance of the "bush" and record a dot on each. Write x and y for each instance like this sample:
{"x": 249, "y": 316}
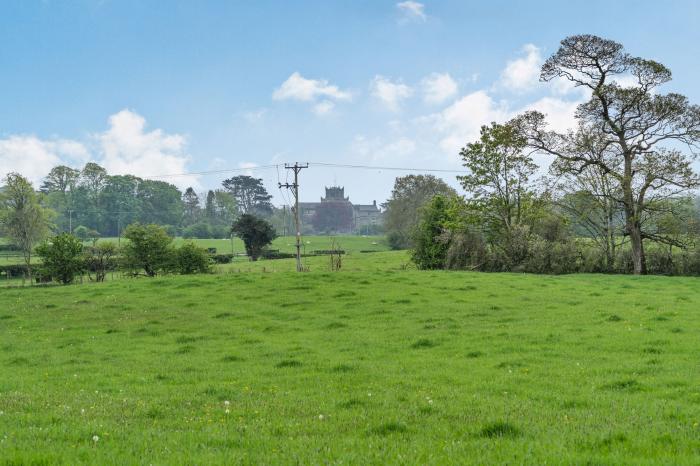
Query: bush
{"x": 222, "y": 258}
{"x": 148, "y": 249}
{"x": 62, "y": 257}
{"x": 84, "y": 233}
{"x": 551, "y": 257}
{"x": 100, "y": 259}
{"x": 189, "y": 259}
{"x": 467, "y": 250}
{"x": 398, "y": 240}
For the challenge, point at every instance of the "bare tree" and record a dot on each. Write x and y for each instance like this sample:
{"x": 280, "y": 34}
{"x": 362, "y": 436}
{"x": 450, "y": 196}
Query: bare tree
{"x": 631, "y": 133}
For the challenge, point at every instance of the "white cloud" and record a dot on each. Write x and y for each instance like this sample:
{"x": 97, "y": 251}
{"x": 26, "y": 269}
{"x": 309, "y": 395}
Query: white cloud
{"x": 438, "y": 87}
{"x": 127, "y": 148}
{"x": 523, "y": 74}
{"x": 33, "y": 157}
{"x": 390, "y": 93}
{"x": 412, "y": 11}
{"x": 124, "y": 148}
{"x": 297, "y": 87}
{"x": 461, "y": 121}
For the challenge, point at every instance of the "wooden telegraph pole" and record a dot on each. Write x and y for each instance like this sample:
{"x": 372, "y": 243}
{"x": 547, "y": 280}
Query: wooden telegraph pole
{"x": 295, "y": 191}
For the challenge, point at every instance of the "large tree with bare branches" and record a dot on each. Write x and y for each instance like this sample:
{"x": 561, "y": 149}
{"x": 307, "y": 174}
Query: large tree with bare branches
{"x": 630, "y": 131}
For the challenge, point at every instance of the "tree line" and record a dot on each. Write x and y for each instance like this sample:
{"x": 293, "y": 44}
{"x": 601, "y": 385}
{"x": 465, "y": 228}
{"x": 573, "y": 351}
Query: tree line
{"x": 104, "y": 204}
{"x": 618, "y": 197}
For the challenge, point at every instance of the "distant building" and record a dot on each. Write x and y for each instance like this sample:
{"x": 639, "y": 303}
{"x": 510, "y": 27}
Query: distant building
{"x": 365, "y": 217}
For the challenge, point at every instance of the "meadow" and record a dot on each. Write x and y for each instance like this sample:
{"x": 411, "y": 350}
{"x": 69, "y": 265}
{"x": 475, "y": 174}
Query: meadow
{"x": 374, "y": 364}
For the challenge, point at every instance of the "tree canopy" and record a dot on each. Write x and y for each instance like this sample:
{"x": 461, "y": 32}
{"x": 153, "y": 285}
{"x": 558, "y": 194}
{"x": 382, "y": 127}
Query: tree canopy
{"x": 630, "y": 131}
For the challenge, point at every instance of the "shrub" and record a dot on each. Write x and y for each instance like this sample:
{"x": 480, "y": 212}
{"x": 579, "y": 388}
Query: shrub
{"x": 690, "y": 262}
{"x": 398, "y": 240}
{"x": 84, "y": 233}
{"x": 551, "y": 257}
{"x": 189, "y": 258}
{"x": 62, "y": 257}
{"x": 467, "y": 250}
{"x": 148, "y": 249}
{"x": 101, "y": 258}
{"x": 222, "y": 258}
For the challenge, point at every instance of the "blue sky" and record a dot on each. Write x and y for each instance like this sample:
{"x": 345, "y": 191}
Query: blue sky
{"x": 155, "y": 87}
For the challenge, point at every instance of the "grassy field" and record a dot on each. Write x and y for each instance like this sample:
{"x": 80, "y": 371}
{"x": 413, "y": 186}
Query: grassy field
{"x": 373, "y": 364}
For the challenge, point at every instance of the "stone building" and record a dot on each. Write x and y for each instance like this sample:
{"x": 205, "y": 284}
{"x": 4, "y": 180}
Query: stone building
{"x": 365, "y": 217}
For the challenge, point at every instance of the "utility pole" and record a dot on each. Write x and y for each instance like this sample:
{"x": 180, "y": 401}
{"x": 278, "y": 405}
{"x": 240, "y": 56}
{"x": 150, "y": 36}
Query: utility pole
{"x": 70, "y": 222}
{"x": 295, "y": 191}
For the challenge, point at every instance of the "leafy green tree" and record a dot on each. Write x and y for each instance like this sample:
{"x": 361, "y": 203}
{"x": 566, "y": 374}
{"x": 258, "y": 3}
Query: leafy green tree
{"x": 190, "y": 258}
{"x": 93, "y": 178}
{"x": 59, "y": 188}
{"x": 225, "y": 207}
{"x": 61, "y": 179}
{"x": 210, "y": 206}
{"x": 81, "y": 232}
{"x": 119, "y": 203}
{"x": 192, "y": 209}
{"x": 409, "y": 195}
{"x": 630, "y": 131}
{"x": 84, "y": 233}
{"x": 159, "y": 202}
{"x": 22, "y": 217}
{"x": 101, "y": 258}
{"x": 62, "y": 257}
{"x": 255, "y": 232}
{"x": 148, "y": 249}
{"x": 430, "y": 250}
{"x": 250, "y": 195}
{"x": 499, "y": 175}
{"x": 500, "y": 192}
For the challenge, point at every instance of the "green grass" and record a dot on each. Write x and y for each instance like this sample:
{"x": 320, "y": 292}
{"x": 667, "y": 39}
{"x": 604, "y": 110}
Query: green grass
{"x": 349, "y": 243}
{"x": 373, "y": 364}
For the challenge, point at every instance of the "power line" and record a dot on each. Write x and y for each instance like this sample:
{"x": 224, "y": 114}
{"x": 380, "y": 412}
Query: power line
{"x": 215, "y": 172}
{"x": 372, "y": 167}
{"x": 317, "y": 164}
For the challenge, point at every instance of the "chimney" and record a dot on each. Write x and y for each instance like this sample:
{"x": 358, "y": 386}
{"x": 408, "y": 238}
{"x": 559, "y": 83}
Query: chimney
{"x": 374, "y": 203}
